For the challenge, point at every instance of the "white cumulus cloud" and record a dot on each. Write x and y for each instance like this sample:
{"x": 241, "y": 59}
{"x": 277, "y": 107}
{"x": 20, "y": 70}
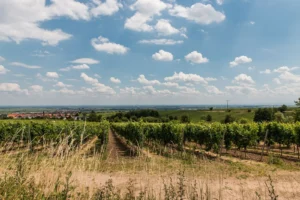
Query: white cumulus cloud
{"x": 240, "y": 60}
{"x": 88, "y": 61}
{"x": 62, "y": 85}
{"x": 163, "y": 27}
{"x": 10, "y": 87}
{"x": 182, "y": 77}
{"x": 103, "y": 44}
{"x": 285, "y": 69}
{"x": 107, "y": 8}
{"x": 162, "y": 56}
{"x": 161, "y": 42}
{"x": 212, "y": 89}
{"x": 81, "y": 67}
{"x": 196, "y": 57}
{"x": 115, "y": 80}
{"x": 88, "y": 79}
{"x": 77, "y": 67}
{"x": 170, "y": 84}
{"x": 243, "y": 79}
{"x": 289, "y": 77}
{"x": 143, "y": 80}
{"x": 21, "y": 20}
{"x": 52, "y": 75}
{"x": 200, "y": 13}
{"x": 145, "y": 10}
{"x": 3, "y": 70}
{"x": 97, "y": 86}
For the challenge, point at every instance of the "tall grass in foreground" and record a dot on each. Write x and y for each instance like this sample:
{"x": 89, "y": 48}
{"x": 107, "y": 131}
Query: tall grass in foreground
{"x": 20, "y": 185}
{"x": 55, "y": 171}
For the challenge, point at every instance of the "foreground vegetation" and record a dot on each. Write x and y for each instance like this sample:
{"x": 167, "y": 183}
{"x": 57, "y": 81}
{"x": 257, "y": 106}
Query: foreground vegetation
{"x": 36, "y": 176}
{"x": 46, "y": 159}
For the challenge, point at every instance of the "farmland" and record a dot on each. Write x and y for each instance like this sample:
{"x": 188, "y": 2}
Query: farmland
{"x": 138, "y": 160}
{"x": 217, "y": 115}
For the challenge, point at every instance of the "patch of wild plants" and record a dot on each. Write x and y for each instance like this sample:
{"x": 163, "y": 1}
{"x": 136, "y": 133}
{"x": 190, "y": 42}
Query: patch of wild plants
{"x": 19, "y": 186}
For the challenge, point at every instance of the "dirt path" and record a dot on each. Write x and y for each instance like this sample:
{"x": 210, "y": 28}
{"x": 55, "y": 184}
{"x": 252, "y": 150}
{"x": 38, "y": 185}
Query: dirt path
{"x": 115, "y": 148}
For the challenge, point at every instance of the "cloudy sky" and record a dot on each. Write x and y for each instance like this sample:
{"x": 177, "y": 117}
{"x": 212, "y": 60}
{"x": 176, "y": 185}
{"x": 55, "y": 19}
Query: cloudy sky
{"x": 111, "y": 52}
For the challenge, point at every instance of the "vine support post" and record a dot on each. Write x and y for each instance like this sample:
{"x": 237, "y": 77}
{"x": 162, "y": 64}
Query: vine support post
{"x": 222, "y": 144}
{"x": 262, "y": 152}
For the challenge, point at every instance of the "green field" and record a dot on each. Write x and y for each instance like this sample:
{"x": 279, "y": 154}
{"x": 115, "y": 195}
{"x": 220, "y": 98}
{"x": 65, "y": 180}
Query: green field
{"x": 217, "y": 115}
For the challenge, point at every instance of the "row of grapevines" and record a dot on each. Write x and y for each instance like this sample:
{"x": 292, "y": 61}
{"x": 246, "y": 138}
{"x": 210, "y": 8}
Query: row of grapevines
{"x": 211, "y": 135}
{"x": 37, "y": 132}
{"x": 138, "y": 132}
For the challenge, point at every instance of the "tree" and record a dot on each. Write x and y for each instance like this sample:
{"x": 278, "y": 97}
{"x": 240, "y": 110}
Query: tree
{"x": 297, "y": 102}
{"x": 208, "y": 118}
{"x": 84, "y": 116}
{"x": 297, "y": 113}
{"x": 185, "y": 119}
{"x": 211, "y": 108}
{"x": 263, "y": 114}
{"x": 283, "y": 108}
{"x": 99, "y": 118}
{"x": 279, "y": 117}
{"x": 297, "y": 116}
{"x": 228, "y": 119}
{"x": 92, "y": 117}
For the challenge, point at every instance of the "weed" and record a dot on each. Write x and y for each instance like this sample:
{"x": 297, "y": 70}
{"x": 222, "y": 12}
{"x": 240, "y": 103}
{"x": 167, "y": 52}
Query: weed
{"x": 130, "y": 190}
{"x": 107, "y": 192}
{"x": 271, "y": 189}
{"x": 194, "y": 194}
{"x": 275, "y": 160}
{"x": 169, "y": 191}
{"x": 181, "y": 185}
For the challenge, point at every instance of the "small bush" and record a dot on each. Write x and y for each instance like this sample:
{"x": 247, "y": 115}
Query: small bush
{"x": 275, "y": 160}
{"x": 243, "y": 121}
{"x": 185, "y": 119}
{"x": 229, "y": 119}
{"x": 208, "y": 118}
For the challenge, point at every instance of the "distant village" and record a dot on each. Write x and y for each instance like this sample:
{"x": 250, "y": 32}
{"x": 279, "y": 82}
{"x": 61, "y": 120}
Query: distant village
{"x": 65, "y": 115}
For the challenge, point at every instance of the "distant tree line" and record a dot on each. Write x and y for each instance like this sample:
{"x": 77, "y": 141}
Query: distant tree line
{"x": 153, "y": 116}
{"x": 147, "y": 115}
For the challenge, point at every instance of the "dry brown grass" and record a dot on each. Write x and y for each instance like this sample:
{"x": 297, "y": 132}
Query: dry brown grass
{"x": 211, "y": 179}
{"x": 226, "y": 178}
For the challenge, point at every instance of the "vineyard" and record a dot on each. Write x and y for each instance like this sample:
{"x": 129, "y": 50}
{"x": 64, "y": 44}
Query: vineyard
{"x": 261, "y": 138}
{"x": 93, "y": 152}
{"x": 35, "y": 135}
{"x": 258, "y": 138}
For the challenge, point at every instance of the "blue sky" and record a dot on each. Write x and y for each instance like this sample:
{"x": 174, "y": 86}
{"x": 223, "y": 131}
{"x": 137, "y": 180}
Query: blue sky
{"x": 111, "y": 52}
